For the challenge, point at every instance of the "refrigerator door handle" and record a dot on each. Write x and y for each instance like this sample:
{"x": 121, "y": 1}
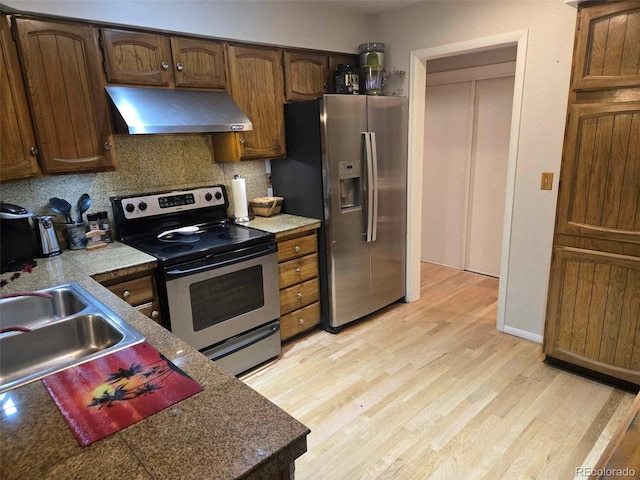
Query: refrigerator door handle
{"x": 370, "y": 185}
{"x": 374, "y": 162}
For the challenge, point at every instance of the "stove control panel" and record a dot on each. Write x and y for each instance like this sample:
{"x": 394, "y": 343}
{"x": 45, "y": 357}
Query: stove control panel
{"x": 153, "y": 204}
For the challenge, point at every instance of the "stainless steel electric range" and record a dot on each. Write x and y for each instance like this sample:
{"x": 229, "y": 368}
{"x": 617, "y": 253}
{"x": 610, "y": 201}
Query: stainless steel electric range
{"x": 217, "y": 281}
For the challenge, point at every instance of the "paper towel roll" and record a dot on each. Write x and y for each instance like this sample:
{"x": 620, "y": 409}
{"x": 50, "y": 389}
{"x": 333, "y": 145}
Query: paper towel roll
{"x": 239, "y": 190}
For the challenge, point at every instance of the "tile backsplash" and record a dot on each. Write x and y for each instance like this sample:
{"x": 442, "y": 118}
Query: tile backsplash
{"x": 146, "y": 163}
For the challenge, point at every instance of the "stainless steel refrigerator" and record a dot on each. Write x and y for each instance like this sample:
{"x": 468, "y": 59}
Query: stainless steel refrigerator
{"x": 347, "y": 165}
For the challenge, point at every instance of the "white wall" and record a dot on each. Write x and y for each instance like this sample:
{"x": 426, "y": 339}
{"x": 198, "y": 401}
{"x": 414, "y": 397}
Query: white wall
{"x": 287, "y": 23}
{"x": 551, "y": 26}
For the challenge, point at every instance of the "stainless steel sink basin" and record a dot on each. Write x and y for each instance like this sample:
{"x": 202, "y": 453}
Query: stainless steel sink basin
{"x": 77, "y": 329}
{"x": 33, "y": 311}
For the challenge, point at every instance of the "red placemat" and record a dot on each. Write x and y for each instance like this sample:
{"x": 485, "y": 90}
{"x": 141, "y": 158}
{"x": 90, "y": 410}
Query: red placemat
{"x": 107, "y": 394}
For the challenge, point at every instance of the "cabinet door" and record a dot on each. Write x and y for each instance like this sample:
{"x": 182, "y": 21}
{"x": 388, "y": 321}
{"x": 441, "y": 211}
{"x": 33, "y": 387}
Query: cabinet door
{"x": 592, "y": 313}
{"x": 137, "y": 58}
{"x": 306, "y": 75}
{"x": 608, "y": 46}
{"x": 62, "y": 69}
{"x": 256, "y": 84}
{"x": 600, "y": 179}
{"x": 18, "y": 152}
{"x": 198, "y": 63}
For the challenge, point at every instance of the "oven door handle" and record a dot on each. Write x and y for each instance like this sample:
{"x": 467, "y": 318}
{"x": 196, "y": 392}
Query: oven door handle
{"x": 254, "y": 253}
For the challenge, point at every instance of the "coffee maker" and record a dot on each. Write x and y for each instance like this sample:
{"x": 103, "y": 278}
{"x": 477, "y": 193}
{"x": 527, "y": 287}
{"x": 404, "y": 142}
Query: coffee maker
{"x": 16, "y": 250}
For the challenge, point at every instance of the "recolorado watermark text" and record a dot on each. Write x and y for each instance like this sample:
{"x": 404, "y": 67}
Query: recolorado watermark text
{"x": 606, "y": 472}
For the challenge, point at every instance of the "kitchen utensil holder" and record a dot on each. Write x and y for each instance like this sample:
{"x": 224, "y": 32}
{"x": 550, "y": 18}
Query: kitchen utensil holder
{"x": 76, "y": 235}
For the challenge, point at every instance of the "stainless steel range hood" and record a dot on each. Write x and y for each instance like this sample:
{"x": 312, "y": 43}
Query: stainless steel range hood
{"x": 159, "y": 110}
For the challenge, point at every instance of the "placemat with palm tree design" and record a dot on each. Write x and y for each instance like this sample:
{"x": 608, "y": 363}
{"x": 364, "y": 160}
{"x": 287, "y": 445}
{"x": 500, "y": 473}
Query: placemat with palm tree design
{"x": 107, "y": 394}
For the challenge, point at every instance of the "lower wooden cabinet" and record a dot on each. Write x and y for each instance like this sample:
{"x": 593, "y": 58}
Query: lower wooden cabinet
{"x": 593, "y": 312}
{"x": 299, "y": 287}
{"x": 137, "y": 289}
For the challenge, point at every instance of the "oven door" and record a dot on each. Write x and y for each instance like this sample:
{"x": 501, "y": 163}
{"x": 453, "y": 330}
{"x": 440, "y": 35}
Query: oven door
{"x": 221, "y": 296}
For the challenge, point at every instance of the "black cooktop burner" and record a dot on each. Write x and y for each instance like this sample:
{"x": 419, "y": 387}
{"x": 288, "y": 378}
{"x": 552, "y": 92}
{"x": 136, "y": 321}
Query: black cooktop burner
{"x": 178, "y": 238}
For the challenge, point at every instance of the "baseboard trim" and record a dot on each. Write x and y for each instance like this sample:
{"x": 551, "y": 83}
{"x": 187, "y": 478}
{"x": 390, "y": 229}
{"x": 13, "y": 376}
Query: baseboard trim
{"x": 516, "y": 332}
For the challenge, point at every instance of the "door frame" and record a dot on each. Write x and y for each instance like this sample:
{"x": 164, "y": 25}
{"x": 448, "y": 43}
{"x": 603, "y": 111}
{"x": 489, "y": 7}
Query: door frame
{"x": 417, "y": 93}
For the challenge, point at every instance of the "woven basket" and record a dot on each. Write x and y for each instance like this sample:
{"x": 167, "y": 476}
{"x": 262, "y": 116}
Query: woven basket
{"x": 266, "y": 206}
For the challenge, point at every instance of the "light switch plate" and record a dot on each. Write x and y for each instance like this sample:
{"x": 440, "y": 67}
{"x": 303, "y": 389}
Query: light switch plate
{"x": 546, "y": 182}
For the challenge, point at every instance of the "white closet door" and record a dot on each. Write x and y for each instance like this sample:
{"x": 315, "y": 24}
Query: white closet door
{"x": 446, "y": 150}
{"x": 490, "y": 154}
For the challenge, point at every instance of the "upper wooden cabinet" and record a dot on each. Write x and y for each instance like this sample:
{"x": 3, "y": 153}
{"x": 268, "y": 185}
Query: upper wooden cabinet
{"x": 256, "y": 84}
{"x": 61, "y": 63}
{"x": 157, "y": 60}
{"x": 608, "y": 46}
{"x": 18, "y": 152}
{"x": 307, "y": 75}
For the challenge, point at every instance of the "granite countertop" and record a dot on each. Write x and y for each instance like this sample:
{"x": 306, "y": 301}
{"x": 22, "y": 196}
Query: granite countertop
{"x": 226, "y": 431}
{"x": 284, "y": 224}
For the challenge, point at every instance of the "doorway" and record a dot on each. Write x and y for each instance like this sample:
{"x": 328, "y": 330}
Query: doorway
{"x": 417, "y": 93}
{"x": 466, "y": 152}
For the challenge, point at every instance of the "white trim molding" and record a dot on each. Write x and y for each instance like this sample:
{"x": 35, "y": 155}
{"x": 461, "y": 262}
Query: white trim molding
{"x": 417, "y": 92}
{"x": 516, "y": 332}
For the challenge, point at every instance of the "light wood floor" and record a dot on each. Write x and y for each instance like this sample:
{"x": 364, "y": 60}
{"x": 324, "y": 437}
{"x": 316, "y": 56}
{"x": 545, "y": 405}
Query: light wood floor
{"x": 431, "y": 390}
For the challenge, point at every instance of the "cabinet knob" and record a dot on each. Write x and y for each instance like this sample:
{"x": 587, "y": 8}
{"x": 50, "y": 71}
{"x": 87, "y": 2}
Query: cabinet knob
{"x": 301, "y": 321}
{"x": 242, "y": 140}
{"x": 164, "y": 65}
{"x": 179, "y": 67}
{"x": 296, "y": 249}
{"x": 33, "y": 151}
{"x": 107, "y": 146}
{"x": 155, "y": 314}
{"x": 126, "y": 294}
{"x": 299, "y": 296}
{"x": 298, "y": 271}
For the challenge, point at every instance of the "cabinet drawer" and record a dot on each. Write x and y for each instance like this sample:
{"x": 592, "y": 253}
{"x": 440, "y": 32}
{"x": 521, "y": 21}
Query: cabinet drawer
{"x": 136, "y": 291}
{"x": 298, "y": 296}
{"x": 299, "y": 321}
{"x": 298, "y": 270}
{"x": 297, "y": 247}
{"x": 151, "y": 310}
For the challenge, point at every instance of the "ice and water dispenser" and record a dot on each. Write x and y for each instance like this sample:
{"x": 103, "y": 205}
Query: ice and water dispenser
{"x": 350, "y": 186}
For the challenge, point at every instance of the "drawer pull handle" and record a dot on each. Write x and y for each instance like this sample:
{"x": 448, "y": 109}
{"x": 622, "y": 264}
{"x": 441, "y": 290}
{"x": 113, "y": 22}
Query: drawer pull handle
{"x": 299, "y": 296}
{"x": 301, "y": 321}
{"x": 296, "y": 249}
{"x": 298, "y": 271}
{"x": 155, "y": 314}
{"x": 126, "y": 294}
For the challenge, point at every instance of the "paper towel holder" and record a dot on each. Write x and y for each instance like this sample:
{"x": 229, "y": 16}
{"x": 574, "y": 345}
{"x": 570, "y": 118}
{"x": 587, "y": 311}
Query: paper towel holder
{"x": 241, "y": 219}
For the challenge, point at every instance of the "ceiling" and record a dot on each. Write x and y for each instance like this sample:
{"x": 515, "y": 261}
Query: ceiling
{"x": 370, "y": 7}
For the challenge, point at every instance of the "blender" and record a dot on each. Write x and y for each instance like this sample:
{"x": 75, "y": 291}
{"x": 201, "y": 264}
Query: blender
{"x": 373, "y": 73}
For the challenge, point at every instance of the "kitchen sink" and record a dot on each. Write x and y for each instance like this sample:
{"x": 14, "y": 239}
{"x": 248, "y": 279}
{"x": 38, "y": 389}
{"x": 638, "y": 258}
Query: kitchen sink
{"x": 71, "y": 328}
{"x": 31, "y": 311}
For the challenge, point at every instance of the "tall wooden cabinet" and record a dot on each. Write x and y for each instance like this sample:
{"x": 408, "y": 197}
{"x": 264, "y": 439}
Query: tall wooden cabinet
{"x": 18, "y": 154}
{"x": 593, "y": 307}
{"x": 256, "y": 83}
{"x": 61, "y": 64}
